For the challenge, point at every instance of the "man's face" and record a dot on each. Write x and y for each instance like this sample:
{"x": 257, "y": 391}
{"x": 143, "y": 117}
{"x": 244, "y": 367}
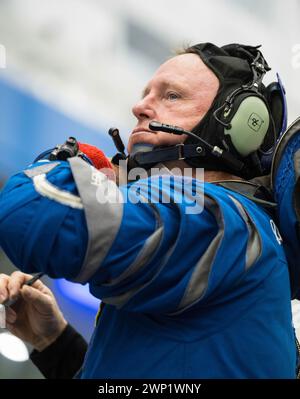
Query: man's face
{"x": 180, "y": 93}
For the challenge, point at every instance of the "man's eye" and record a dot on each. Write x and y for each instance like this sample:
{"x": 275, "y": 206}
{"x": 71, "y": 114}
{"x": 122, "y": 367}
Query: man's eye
{"x": 172, "y": 96}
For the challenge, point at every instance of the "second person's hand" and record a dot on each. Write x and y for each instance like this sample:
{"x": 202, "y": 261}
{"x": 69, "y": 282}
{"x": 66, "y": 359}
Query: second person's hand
{"x": 35, "y": 317}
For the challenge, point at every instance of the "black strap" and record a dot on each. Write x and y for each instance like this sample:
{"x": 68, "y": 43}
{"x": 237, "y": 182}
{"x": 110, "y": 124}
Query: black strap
{"x": 179, "y": 151}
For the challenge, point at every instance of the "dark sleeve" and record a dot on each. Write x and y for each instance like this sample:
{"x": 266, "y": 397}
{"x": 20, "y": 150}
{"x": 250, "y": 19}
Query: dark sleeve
{"x": 64, "y": 357}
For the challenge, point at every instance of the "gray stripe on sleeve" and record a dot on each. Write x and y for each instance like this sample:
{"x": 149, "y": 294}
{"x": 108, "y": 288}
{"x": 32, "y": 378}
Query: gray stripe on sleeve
{"x": 42, "y": 169}
{"x": 199, "y": 281}
{"x": 103, "y": 213}
{"x": 120, "y": 300}
{"x": 150, "y": 246}
{"x": 254, "y": 245}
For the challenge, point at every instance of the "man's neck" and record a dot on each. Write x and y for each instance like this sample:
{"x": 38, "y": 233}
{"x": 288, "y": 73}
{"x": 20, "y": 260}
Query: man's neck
{"x": 209, "y": 175}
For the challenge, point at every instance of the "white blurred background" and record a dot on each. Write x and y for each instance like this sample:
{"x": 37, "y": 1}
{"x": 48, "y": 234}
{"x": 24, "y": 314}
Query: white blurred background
{"x": 89, "y": 60}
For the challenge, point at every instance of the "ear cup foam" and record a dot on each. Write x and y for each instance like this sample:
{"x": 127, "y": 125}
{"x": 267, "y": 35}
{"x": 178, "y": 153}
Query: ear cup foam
{"x": 275, "y": 101}
{"x": 249, "y": 124}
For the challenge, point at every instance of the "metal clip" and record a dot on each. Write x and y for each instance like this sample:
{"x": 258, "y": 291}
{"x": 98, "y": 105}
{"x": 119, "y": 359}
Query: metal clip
{"x": 180, "y": 151}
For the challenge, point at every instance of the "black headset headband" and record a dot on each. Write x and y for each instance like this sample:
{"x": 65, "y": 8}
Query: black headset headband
{"x": 240, "y": 69}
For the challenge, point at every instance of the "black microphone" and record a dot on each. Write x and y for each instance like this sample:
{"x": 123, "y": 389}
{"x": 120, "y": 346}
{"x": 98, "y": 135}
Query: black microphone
{"x": 114, "y": 133}
{"x": 216, "y": 151}
{"x": 163, "y": 127}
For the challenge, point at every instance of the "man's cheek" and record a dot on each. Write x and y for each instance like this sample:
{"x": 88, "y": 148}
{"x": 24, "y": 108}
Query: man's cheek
{"x": 129, "y": 144}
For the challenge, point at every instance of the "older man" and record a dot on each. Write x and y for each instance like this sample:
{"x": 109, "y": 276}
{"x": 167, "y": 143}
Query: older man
{"x": 186, "y": 294}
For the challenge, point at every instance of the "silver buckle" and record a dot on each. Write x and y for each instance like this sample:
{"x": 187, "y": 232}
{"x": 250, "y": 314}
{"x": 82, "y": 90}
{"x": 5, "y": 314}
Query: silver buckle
{"x": 180, "y": 151}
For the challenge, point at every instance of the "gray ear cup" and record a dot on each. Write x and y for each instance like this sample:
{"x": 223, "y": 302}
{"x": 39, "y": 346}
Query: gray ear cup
{"x": 249, "y": 124}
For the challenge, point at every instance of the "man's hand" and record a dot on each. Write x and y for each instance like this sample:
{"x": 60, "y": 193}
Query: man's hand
{"x": 35, "y": 317}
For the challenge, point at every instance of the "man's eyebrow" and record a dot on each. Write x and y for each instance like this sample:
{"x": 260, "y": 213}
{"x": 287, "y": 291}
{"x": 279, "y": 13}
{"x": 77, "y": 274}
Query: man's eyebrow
{"x": 164, "y": 85}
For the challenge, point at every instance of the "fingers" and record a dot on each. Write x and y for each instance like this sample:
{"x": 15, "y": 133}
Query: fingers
{"x": 41, "y": 301}
{"x": 11, "y": 289}
{"x": 11, "y": 315}
{"x": 10, "y": 286}
{"x": 16, "y": 281}
{"x": 11, "y": 328}
{"x": 4, "y": 294}
{"x": 39, "y": 285}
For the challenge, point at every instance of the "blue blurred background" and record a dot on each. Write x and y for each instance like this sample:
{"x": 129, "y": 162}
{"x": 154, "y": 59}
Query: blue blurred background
{"x": 76, "y": 67}
{"x": 28, "y": 126}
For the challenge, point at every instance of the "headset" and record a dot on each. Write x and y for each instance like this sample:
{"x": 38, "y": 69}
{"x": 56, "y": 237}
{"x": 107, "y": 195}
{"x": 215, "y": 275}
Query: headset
{"x": 246, "y": 118}
{"x": 245, "y": 113}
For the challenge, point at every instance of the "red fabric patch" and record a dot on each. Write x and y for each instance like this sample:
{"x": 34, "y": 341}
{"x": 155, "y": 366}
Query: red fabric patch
{"x": 97, "y": 156}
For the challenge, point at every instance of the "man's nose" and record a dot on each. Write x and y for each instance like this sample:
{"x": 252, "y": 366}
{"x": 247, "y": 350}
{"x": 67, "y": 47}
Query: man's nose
{"x": 144, "y": 109}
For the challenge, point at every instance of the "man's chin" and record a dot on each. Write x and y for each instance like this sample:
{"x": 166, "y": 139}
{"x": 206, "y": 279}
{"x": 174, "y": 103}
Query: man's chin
{"x": 143, "y": 138}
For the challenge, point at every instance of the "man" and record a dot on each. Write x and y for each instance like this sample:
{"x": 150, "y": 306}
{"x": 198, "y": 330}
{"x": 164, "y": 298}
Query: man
{"x": 187, "y": 295}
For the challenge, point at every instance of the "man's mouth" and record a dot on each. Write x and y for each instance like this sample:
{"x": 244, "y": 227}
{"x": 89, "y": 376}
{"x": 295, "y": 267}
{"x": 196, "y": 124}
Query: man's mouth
{"x": 141, "y": 130}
